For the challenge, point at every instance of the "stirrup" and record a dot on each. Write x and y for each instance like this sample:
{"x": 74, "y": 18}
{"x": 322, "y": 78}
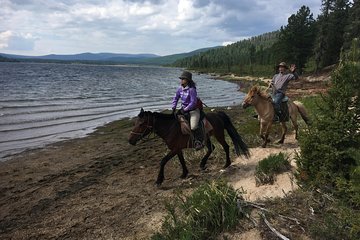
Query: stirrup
{"x": 198, "y": 145}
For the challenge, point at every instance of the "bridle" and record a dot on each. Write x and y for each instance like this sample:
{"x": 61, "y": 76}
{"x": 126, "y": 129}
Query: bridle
{"x": 148, "y": 127}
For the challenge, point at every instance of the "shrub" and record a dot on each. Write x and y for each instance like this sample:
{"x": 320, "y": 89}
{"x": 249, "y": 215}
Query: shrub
{"x": 330, "y": 154}
{"x": 267, "y": 168}
{"x": 209, "y": 210}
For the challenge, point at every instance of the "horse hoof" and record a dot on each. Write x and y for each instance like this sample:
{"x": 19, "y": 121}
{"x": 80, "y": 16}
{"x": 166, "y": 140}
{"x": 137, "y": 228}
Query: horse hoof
{"x": 203, "y": 168}
{"x": 158, "y": 184}
{"x": 226, "y": 165}
{"x": 183, "y": 176}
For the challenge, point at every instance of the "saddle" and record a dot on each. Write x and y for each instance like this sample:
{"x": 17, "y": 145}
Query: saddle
{"x": 204, "y": 125}
{"x": 284, "y": 116}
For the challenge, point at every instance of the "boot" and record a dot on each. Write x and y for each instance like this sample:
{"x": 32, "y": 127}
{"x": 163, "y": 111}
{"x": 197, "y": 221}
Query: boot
{"x": 277, "y": 116}
{"x": 198, "y": 138}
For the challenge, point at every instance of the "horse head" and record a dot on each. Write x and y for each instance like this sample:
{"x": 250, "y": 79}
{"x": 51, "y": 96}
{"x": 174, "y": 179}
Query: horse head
{"x": 143, "y": 126}
{"x": 251, "y": 97}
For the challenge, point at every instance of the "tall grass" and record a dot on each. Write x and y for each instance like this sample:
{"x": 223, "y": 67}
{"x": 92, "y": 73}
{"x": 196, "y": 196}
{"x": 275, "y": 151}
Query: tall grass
{"x": 209, "y": 210}
{"x": 267, "y": 168}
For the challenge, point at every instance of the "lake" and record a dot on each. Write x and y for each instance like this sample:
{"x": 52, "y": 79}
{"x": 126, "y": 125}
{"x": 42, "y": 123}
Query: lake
{"x": 41, "y": 103}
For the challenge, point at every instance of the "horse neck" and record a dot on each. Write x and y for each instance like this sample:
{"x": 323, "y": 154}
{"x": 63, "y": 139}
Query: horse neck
{"x": 264, "y": 107}
{"x": 163, "y": 124}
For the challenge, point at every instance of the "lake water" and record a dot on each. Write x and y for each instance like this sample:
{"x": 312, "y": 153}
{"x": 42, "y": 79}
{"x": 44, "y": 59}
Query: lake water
{"x": 44, "y": 103}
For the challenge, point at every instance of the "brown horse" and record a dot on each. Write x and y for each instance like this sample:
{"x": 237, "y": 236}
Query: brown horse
{"x": 167, "y": 127}
{"x": 264, "y": 108}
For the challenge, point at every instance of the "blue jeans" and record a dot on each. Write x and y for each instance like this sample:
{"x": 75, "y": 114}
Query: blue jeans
{"x": 278, "y": 97}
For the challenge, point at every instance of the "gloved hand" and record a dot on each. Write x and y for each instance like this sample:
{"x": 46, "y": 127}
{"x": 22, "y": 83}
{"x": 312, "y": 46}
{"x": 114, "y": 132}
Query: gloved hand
{"x": 182, "y": 111}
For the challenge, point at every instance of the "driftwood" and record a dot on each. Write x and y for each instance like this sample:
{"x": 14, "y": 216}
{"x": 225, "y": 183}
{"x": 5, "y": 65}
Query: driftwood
{"x": 245, "y": 213}
{"x": 272, "y": 228}
{"x": 241, "y": 203}
{"x": 267, "y": 210}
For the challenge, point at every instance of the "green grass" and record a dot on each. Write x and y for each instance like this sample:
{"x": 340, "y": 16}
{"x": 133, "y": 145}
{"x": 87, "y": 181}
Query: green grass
{"x": 267, "y": 168}
{"x": 209, "y": 210}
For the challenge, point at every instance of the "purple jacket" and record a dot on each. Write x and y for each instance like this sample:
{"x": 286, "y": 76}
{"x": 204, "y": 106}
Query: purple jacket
{"x": 188, "y": 98}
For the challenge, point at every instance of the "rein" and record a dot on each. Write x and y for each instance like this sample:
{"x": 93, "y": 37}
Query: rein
{"x": 148, "y": 127}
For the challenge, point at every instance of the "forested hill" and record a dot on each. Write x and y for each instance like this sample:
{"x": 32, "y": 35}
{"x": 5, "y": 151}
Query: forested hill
{"x": 5, "y": 59}
{"x": 309, "y": 43}
{"x": 255, "y": 49}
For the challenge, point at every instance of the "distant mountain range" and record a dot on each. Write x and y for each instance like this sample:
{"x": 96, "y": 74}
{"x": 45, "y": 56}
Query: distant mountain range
{"x": 122, "y": 58}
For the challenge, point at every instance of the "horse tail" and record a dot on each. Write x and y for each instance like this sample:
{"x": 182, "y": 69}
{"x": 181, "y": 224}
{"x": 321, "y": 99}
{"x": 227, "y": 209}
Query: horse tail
{"x": 302, "y": 112}
{"x": 239, "y": 144}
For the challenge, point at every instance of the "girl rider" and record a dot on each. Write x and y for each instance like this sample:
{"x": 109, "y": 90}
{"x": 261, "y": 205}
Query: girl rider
{"x": 187, "y": 93}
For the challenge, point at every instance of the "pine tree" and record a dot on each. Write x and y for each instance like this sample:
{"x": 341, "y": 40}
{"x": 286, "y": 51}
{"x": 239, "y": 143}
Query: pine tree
{"x": 352, "y": 29}
{"x": 331, "y": 28}
{"x": 330, "y": 155}
{"x": 322, "y": 26}
{"x": 296, "y": 39}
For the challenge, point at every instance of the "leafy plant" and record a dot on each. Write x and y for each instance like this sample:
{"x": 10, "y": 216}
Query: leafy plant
{"x": 330, "y": 155}
{"x": 267, "y": 168}
{"x": 209, "y": 210}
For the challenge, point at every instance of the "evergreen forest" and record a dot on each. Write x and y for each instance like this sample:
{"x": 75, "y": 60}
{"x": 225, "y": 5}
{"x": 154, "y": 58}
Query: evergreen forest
{"x": 311, "y": 44}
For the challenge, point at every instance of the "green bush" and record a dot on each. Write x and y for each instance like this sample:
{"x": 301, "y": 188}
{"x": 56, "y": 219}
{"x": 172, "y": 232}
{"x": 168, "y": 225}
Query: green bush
{"x": 330, "y": 149}
{"x": 209, "y": 210}
{"x": 267, "y": 168}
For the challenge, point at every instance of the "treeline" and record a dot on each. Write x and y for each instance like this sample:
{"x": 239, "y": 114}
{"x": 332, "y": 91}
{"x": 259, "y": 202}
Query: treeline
{"x": 236, "y": 57}
{"x": 5, "y": 59}
{"x": 310, "y": 44}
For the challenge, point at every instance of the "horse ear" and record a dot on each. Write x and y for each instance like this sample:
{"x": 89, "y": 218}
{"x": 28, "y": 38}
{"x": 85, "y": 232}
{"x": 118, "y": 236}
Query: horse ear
{"x": 141, "y": 112}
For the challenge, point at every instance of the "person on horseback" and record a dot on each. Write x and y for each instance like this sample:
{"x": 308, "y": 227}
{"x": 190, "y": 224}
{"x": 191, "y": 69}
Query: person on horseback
{"x": 279, "y": 85}
{"x": 187, "y": 93}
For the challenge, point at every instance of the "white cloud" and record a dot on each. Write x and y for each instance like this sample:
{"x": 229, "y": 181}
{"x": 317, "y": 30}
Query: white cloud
{"x": 4, "y": 39}
{"x": 227, "y": 43}
{"x": 156, "y": 26}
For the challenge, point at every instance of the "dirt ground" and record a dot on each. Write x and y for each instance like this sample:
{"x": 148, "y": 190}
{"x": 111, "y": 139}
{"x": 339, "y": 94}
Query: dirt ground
{"x": 100, "y": 187}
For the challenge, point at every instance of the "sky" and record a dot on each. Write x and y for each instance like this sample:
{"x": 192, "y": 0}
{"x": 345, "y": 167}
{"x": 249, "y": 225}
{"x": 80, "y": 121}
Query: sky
{"x": 162, "y": 27}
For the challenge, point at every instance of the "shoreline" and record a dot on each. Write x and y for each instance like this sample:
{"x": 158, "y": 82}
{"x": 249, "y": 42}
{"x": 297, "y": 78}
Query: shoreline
{"x": 74, "y": 188}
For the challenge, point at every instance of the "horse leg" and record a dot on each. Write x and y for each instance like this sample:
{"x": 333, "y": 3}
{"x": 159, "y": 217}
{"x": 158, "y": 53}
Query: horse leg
{"x": 284, "y": 130}
{"x": 210, "y": 148}
{"x": 163, "y": 162}
{"x": 221, "y": 139}
{"x": 183, "y": 165}
{"x": 293, "y": 112}
{"x": 296, "y": 127}
{"x": 264, "y": 133}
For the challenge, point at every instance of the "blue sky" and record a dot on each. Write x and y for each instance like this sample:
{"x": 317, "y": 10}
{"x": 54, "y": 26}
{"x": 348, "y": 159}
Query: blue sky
{"x": 39, "y": 27}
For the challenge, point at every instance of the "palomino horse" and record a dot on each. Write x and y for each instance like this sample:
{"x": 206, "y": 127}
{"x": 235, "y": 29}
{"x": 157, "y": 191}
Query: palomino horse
{"x": 167, "y": 127}
{"x": 265, "y": 109}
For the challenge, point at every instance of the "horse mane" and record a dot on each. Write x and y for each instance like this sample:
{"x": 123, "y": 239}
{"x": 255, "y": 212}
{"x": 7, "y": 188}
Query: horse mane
{"x": 164, "y": 116}
{"x": 257, "y": 90}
